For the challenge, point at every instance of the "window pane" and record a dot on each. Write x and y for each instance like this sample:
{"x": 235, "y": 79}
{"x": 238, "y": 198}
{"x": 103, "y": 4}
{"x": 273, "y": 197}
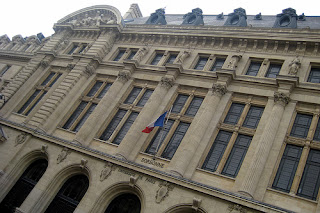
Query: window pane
{"x": 55, "y": 80}
{"x": 161, "y": 133}
{"x": 95, "y": 88}
{"x": 194, "y": 106}
{"x": 84, "y": 117}
{"x": 73, "y": 49}
{"x": 179, "y": 103}
{"x": 132, "y": 54}
{"x": 253, "y": 117}
{"x": 120, "y": 54}
{"x": 83, "y": 48}
{"x": 125, "y": 128}
{"x": 32, "y": 97}
{"x": 217, "y": 150}
{"x": 309, "y": 185}
{"x": 201, "y": 63}
{"x": 133, "y": 95}
{"x": 145, "y": 98}
{"x": 113, "y": 125}
{"x": 156, "y": 59}
{"x": 237, "y": 155}
{"x": 5, "y": 70}
{"x": 48, "y": 78}
{"x": 287, "y": 168}
{"x": 314, "y": 75}
{"x": 75, "y": 115}
{"x": 253, "y": 68}
{"x": 301, "y": 126}
{"x": 171, "y": 58}
{"x": 175, "y": 140}
{"x": 35, "y": 103}
{"x": 104, "y": 90}
{"x": 317, "y": 133}
{"x": 234, "y": 113}
{"x": 273, "y": 70}
{"x": 218, "y": 64}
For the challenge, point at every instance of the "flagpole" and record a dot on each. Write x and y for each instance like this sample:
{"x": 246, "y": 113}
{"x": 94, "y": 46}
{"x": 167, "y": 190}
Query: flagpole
{"x": 161, "y": 136}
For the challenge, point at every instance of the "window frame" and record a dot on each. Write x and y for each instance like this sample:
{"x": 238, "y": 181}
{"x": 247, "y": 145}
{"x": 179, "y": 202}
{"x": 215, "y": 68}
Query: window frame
{"x": 312, "y": 66}
{"x": 256, "y": 61}
{"x": 77, "y": 47}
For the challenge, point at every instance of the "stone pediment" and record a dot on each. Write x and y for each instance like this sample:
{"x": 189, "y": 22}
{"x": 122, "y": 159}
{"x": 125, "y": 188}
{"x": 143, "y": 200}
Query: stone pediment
{"x": 95, "y": 16}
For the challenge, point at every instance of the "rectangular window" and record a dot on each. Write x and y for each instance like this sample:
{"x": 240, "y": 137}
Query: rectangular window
{"x": 119, "y": 56}
{"x": 201, "y": 63}
{"x": 253, "y": 117}
{"x": 316, "y": 136}
{"x": 301, "y": 125}
{"x": 82, "y": 48}
{"x": 156, "y": 58}
{"x": 287, "y": 168}
{"x": 171, "y": 58}
{"x": 39, "y": 93}
{"x": 194, "y": 106}
{"x": 234, "y": 113}
{"x": 253, "y": 68}
{"x": 314, "y": 76}
{"x": 273, "y": 70}
{"x": 74, "y": 47}
{"x": 218, "y": 64}
{"x": 113, "y": 125}
{"x": 179, "y": 103}
{"x": 132, "y": 54}
{"x": 5, "y": 69}
{"x": 86, "y": 106}
{"x": 125, "y": 127}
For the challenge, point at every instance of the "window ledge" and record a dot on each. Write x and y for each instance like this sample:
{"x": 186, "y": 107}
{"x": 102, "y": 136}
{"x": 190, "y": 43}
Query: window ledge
{"x": 107, "y": 142}
{"x": 291, "y": 195}
{"x": 216, "y": 174}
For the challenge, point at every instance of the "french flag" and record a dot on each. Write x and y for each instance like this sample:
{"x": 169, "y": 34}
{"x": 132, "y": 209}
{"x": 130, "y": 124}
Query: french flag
{"x": 158, "y": 122}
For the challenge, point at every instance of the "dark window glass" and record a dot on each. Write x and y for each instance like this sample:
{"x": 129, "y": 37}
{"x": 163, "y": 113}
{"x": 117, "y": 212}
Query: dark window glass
{"x": 237, "y": 155}
{"x": 194, "y": 106}
{"x": 113, "y": 125}
{"x": 287, "y": 168}
{"x": 84, "y": 117}
{"x": 5, "y": 70}
{"x": 317, "y": 132}
{"x": 179, "y": 103}
{"x": 217, "y": 150}
{"x": 273, "y": 70}
{"x": 133, "y": 95}
{"x": 301, "y": 126}
{"x": 175, "y": 140}
{"x": 253, "y": 68}
{"x": 69, "y": 195}
{"x": 95, "y": 88}
{"x": 26, "y": 47}
{"x": 104, "y": 90}
{"x": 55, "y": 80}
{"x": 201, "y": 63}
{"x": 125, "y": 128}
{"x": 309, "y": 185}
{"x": 132, "y": 54}
{"x": 171, "y": 58}
{"x": 253, "y": 117}
{"x": 218, "y": 64}
{"x": 125, "y": 203}
{"x": 75, "y": 115}
{"x": 82, "y": 48}
{"x": 36, "y": 102}
{"x": 73, "y": 49}
{"x": 32, "y": 97}
{"x": 156, "y": 59}
{"x": 234, "y": 113}
{"x": 145, "y": 98}
{"x": 161, "y": 133}
{"x": 48, "y": 79}
{"x": 119, "y": 56}
{"x": 23, "y": 186}
{"x": 314, "y": 75}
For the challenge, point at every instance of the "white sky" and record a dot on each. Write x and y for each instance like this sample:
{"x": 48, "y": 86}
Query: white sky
{"x": 29, "y": 17}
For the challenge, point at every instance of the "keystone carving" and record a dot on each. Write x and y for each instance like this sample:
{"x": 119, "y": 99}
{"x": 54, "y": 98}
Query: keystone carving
{"x": 133, "y": 180}
{"x": 294, "y": 66}
{"x": 219, "y": 89}
{"x": 281, "y": 98}
{"x": 185, "y": 54}
{"x": 124, "y": 76}
{"x": 235, "y": 208}
{"x": 44, "y": 148}
{"x": 163, "y": 191}
{"x": 63, "y": 155}
{"x": 20, "y": 139}
{"x": 106, "y": 172}
{"x": 167, "y": 82}
{"x": 196, "y": 204}
{"x": 83, "y": 163}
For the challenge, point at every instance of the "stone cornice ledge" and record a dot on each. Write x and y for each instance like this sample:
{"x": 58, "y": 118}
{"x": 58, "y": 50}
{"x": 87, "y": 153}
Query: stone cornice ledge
{"x": 187, "y": 183}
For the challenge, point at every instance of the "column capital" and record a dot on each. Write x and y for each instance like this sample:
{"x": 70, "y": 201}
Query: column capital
{"x": 281, "y": 98}
{"x": 219, "y": 89}
{"x": 167, "y": 82}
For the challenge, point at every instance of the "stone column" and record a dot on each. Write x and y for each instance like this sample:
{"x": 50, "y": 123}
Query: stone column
{"x": 261, "y": 154}
{"x": 198, "y": 127}
{"x": 149, "y": 111}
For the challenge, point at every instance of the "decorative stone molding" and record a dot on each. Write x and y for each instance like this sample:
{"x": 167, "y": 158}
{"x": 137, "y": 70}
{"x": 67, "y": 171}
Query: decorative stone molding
{"x": 141, "y": 52}
{"x": 235, "y": 208}
{"x": 44, "y": 63}
{"x": 294, "y": 66}
{"x": 281, "y": 98}
{"x": 124, "y": 76}
{"x": 62, "y": 45}
{"x": 20, "y": 139}
{"x": 83, "y": 163}
{"x": 167, "y": 82}
{"x": 185, "y": 54}
{"x": 132, "y": 181}
{"x": 63, "y": 155}
{"x": 70, "y": 66}
{"x": 157, "y": 18}
{"x": 163, "y": 191}
{"x": 193, "y": 18}
{"x": 232, "y": 65}
{"x": 89, "y": 70}
{"x": 44, "y": 148}
{"x": 219, "y": 89}
{"x": 196, "y": 204}
{"x": 106, "y": 172}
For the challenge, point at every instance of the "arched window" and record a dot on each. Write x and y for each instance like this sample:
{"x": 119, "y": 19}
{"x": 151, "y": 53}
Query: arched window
{"x": 125, "y": 203}
{"x": 69, "y": 195}
{"x": 23, "y": 186}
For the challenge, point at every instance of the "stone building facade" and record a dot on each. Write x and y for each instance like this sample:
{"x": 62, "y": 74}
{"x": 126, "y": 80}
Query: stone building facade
{"x": 242, "y": 133}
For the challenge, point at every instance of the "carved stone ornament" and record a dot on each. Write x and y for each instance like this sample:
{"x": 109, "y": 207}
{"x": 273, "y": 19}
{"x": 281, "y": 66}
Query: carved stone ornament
{"x": 132, "y": 181}
{"x": 93, "y": 18}
{"x": 235, "y": 208}
{"x": 83, "y": 163}
{"x": 294, "y": 66}
{"x": 286, "y": 19}
{"x": 20, "y": 139}
{"x": 232, "y": 65}
{"x": 44, "y": 63}
{"x": 142, "y": 52}
{"x": 44, "y": 148}
{"x": 238, "y": 18}
{"x": 258, "y": 17}
{"x": 70, "y": 66}
{"x": 163, "y": 191}
{"x": 185, "y": 54}
{"x": 63, "y": 155}
{"x": 219, "y": 89}
{"x": 220, "y": 16}
{"x": 157, "y": 17}
{"x": 89, "y": 70}
{"x": 106, "y": 172}
{"x": 124, "y": 76}
{"x": 281, "y": 98}
{"x": 193, "y": 18}
{"x": 196, "y": 204}
{"x": 62, "y": 45}
{"x": 167, "y": 82}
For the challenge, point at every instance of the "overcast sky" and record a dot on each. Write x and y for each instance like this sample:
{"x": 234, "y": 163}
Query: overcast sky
{"x": 33, "y": 16}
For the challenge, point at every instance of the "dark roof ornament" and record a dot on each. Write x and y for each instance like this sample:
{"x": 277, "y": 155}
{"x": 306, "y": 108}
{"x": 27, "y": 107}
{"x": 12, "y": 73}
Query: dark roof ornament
{"x": 193, "y": 18}
{"x": 220, "y": 16}
{"x": 301, "y": 17}
{"x": 157, "y": 18}
{"x": 286, "y": 19}
{"x": 258, "y": 17}
{"x": 237, "y": 19}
